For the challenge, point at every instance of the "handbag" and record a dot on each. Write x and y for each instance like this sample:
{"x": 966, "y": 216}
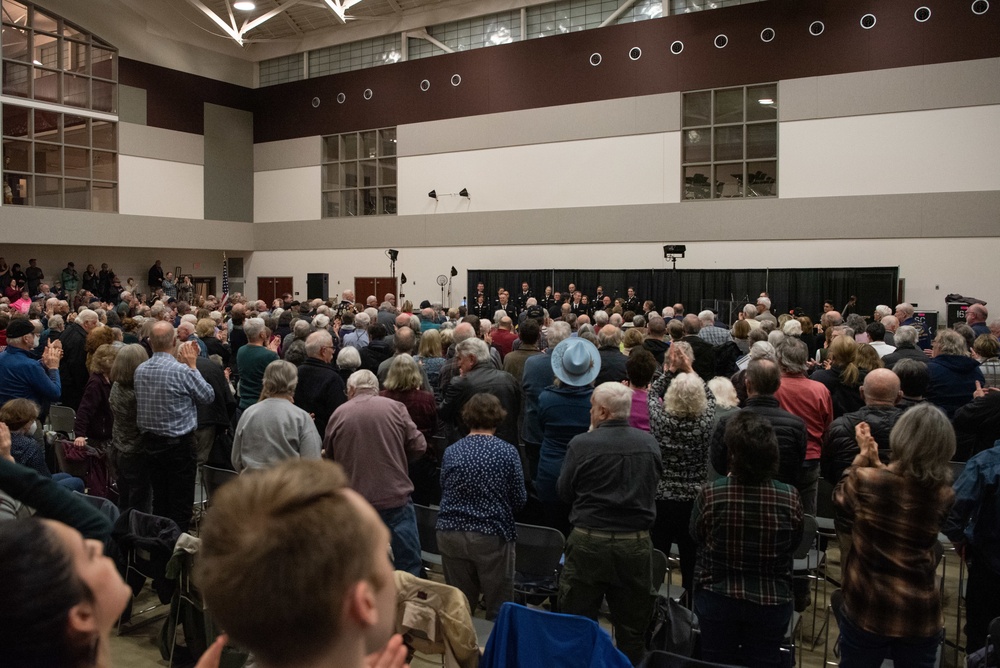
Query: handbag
{"x": 91, "y": 465}
{"x": 672, "y": 628}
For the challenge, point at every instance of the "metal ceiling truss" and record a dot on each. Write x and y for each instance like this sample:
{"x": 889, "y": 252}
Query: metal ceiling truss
{"x": 339, "y": 8}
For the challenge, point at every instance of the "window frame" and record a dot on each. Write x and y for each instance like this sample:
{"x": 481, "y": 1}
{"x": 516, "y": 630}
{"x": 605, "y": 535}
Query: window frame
{"x": 369, "y": 199}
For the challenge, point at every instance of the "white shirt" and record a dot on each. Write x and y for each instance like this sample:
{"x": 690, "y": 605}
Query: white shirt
{"x": 882, "y": 348}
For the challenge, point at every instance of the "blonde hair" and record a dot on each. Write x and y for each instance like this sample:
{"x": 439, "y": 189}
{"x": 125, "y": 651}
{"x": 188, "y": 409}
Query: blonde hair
{"x": 685, "y": 397}
{"x": 430, "y": 343}
{"x": 103, "y": 359}
{"x": 843, "y": 354}
{"x": 404, "y": 374}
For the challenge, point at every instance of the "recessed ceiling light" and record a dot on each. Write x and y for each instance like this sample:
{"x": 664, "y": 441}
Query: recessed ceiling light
{"x": 244, "y": 6}
{"x": 765, "y": 100}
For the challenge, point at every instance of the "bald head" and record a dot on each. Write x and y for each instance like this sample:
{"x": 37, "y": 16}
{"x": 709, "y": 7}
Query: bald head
{"x": 881, "y": 388}
{"x": 161, "y": 339}
{"x": 976, "y": 314}
{"x": 463, "y": 331}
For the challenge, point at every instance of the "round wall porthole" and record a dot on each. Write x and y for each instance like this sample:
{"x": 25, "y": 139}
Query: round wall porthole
{"x": 922, "y": 14}
{"x": 868, "y": 21}
{"x": 456, "y": 79}
{"x": 368, "y": 93}
{"x": 767, "y": 34}
{"x": 677, "y": 47}
{"x": 315, "y": 103}
{"x": 721, "y": 41}
{"x": 980, "y": 7}
{"x": 816, "y": 28}
{"x": 595, "y": 59}
{"x": 425, "y": 85}
{"x": 341, "y": 98}
{"x": 635, "y": 53}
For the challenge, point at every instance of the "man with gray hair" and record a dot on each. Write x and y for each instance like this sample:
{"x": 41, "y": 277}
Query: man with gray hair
{"x": 477, "y": 374}
{"x": 358, "y": 336}
{"x": 73, "y": 371}
{"x": 321, "y": 390}
{"x": 252, "y": 360}
{"x": 811, "y": 401}
{"x": 711, "y": 334}
{"x": 538, "y": 375}
{"x": 764, "y": 310}
{"x": 609, "y": 479}
{"x": 375, "y": 439}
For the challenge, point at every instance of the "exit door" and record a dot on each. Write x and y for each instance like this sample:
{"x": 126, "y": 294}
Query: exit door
{"x": 363, "y": 287}
{"x": 270, "y": 288}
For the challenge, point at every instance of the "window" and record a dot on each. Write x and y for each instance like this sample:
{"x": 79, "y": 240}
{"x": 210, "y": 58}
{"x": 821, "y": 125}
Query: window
{"x": 359, "y": 174}
{"x": 730, "y": 142}
{"x": 60, "y": 140}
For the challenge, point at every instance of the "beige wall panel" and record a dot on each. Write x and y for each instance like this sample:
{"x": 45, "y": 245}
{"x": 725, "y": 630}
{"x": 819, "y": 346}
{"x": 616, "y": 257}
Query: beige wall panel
{"x": 144, "y": 141}
{"x": 287, "y": 154}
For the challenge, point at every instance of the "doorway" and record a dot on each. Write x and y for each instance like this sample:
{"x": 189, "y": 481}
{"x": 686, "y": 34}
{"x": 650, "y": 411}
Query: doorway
{"x": 203, "y": 287}
{"x": 365, "y": 286}
{"x": 270, "y": 288}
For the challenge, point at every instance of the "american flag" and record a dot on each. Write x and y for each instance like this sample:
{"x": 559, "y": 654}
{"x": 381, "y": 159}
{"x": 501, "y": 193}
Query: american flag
{"x": 225, "y": 281}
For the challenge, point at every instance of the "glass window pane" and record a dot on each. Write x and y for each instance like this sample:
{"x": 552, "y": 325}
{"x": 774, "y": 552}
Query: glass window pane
{"x": 331, "y": 148}
{"x": 728, "y": 142}
{"x": 104, "y": 197}
{"x": 387, "y": 141}
{"x": 15, "y": 188}
{"x": 696, "y": 182}
{"x": 331, "y": 205}
{"x": 349, "y": 203}
{"x": 369, "y": 148}
{"x": 16, "y": 155}
{"x": 75, "y": 130}
{"x": 349, "y": 175}
{"x": 762, "y": 179}
{"x": 331, "y": 177}
{"x": 76, "y": 57}
{"x": 387, "y": 201}
{"x": 46, "y": 85}
{"x": 105, "y": 166}
{"x": 104, "y": 135}
{"x": 77, "y": 161}
{"x": 15, "y": 79}
{"x": 48, "y": 159}
{"x": 697, "y": 146}
{"x": 15, "y": 43}
{"x": 77, "y": 93}
{"x": 762, "y": 140}
{"x": 15, "y": 12}
{"x": 387, "y": 172}
{"x": 104, "y": 63}
{"x": 15, "y": 121}
{"x": 729, "y": 105}
{"x": 697, "y": 108}
{"x": 729, "y": 180}
{"x": 70, "y": 31}
{"x": 762, "y": 103}
{"x": 369, "y": 201}
{"x": 47, "y": 191}
{"x": 349, "y": 147}
{"x": 47, "y": 126}
{"x": 77, "y": 194}
{"x": 46, "y": 52}
{"x": 104, "y": 95}
{"x": 368, "y": 173}
{"x": 42, "y": 21}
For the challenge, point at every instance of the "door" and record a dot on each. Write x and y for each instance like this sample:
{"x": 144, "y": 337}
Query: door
{"x": 203, "y": 287}
{"x": 365, "y": 286}
{"x": 270, "y": 288}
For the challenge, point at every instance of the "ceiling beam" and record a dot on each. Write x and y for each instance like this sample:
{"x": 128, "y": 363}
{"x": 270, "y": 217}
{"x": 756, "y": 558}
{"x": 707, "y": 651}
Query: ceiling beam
{"x": 395, "y": 6}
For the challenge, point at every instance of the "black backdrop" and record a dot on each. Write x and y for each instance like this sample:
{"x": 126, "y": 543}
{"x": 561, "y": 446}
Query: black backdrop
{"x": 788, "y": 288}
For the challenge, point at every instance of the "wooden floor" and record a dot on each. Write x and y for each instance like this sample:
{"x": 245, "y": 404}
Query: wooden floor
{"x": 138, "y": 647}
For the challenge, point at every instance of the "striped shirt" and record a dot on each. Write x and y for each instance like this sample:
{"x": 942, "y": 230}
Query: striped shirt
{"x": 167, "y": 394}
{"x": 747, "y": 535}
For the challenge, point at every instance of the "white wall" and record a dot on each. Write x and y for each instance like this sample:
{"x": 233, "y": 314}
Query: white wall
{"x": 946, "y": 150}
{"x": 160, "y": 188}
{"x": 287, "y": 194}
{"x": 924, "y": 263}
{"x": 642, "y": 169}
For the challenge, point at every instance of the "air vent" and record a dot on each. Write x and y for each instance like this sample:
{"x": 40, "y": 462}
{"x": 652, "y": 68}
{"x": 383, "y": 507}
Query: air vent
{"x": 635, "y": 53}
{"x": 341, "y": 98}
{"x": 456, "y": 80}
{"x": 368, "y": 93}
{"x": 595, "y": 59}
{"x": 721, "y": 41}
{"x": 425, "y": 85}
{"x": 922, "y": 14}
{"x": 980, "y": 7}
{"x": 677, "y": 47}
{"x": 816, "y": 28}
{"x": 868, "y": 21}
{"x": 767, "y": 34}
{"x": 315, "y": 103}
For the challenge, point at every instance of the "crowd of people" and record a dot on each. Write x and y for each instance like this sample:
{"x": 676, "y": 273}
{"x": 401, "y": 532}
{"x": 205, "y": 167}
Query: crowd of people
{"x": 625, "y": 426}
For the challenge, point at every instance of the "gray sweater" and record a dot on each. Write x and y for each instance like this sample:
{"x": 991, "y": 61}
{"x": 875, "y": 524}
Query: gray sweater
{"x": 272, "y": 431}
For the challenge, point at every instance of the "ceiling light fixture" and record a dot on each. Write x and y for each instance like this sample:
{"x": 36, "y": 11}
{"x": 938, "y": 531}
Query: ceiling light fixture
{"x": 244, "y": 6}
{"x": 765, "y": 100}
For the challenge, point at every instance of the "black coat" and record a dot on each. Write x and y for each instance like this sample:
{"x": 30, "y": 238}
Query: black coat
{"x": 612, "y": 365}
{"x": 909, "y": 352}
{"x": 658, "y": 348}
{"x": 789, "y": 428}
{"x": 840, "y": 446}
{"x": 320, "y": 391}
{"x": 977, "y": 425}
{"x": 374, "y": 354}
{"x": 482, "y": 378}
{"x": 704, "y": 356}
{"x": 73, "y": 365}
{"x": 217, "y": 347}
{"x": 220, "y": 411}
{"x": 846, "y": 398}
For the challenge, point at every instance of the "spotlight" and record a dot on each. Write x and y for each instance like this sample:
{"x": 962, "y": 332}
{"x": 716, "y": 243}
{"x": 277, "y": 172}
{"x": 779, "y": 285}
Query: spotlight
{"x": 433, "y": 194}
{"x": 464, "y": 192}
{"x": 674, "y": 250}
{"x": 454, "y": 272}
{"x": 393, "y": 254}
{"x": 402, "y": 279}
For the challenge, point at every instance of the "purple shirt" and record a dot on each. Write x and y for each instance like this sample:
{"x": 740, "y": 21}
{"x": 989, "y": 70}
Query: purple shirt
{"x": 639, "y": 417}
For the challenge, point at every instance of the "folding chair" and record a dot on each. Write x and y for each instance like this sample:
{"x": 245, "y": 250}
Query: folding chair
{"x": 212, "y": 478}
{"x": 430, "y": 554}
{"x": 661, "y": 580}
{"x": 806, "y": 561}
{"x": 537, "y": 563}
{"x": 62, "y": 420}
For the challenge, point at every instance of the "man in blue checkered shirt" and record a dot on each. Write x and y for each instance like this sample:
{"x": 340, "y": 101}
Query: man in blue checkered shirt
{"x": 709, "y": 332}
{"x": 167, "y": 393}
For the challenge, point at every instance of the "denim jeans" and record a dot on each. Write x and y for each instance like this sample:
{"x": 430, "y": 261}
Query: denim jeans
{"x": 861, "y": 649}
{"x": 402, "y": 523}
{"x": 71, "y": 483}
{"x": 736, "y": 631}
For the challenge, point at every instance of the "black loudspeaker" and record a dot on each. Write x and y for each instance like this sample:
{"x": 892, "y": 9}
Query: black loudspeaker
{"x": 318, "y": 286}
{"x": 927, "y": 325}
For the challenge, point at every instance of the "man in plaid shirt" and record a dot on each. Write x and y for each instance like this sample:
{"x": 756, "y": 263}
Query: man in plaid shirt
{"x": 709, "y": 332}
{"x": 167, "y": 393}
